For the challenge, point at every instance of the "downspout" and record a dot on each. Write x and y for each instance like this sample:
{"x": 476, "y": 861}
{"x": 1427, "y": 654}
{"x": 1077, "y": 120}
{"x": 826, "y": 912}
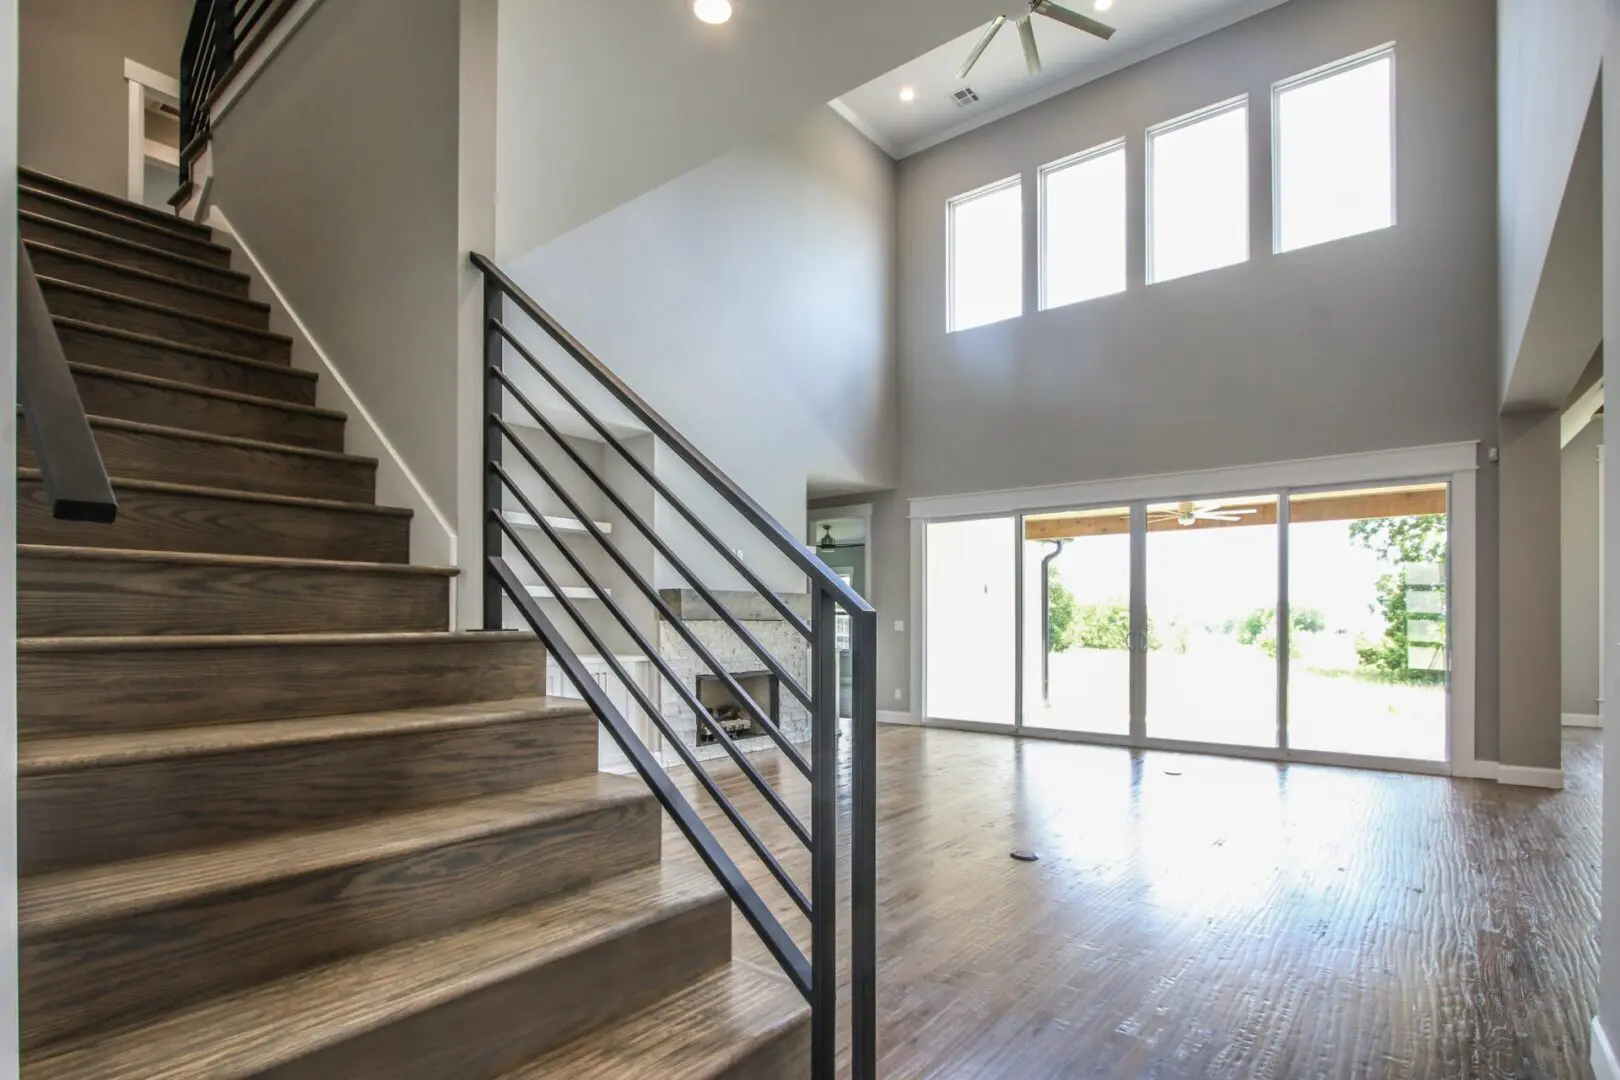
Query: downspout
{"x": 1046, "y": 619}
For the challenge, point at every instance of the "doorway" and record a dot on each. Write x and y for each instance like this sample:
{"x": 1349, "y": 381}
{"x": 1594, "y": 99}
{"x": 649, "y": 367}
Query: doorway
{"x": 840, "y": 537}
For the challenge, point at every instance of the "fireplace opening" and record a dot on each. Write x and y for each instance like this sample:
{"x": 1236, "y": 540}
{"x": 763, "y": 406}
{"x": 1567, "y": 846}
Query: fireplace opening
{"x": 737, "y": 721}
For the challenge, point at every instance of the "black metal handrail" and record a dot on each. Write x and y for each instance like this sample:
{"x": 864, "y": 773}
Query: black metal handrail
{"x": 70, "y": 465}
{"x": 815, "y": 976}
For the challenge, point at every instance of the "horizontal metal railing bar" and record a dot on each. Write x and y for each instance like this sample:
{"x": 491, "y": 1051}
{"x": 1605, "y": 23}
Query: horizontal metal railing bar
{"x": 741, "y": 501}
{"x": 700, "y": 713}
{"x": 766, "y": 657}
{"x": 754, "y": 582}
{"x": 746, "y": 700}
{"x": 772, "y": 934}
{"x": 70, "y": 465}
{"x": 760, "y": 848}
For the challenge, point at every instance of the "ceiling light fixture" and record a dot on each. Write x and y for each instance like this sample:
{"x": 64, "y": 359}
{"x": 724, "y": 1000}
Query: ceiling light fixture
{"x": 908, "y": 94}
{"x": 713, "y": 12}
{"x": 1104, "y": 5}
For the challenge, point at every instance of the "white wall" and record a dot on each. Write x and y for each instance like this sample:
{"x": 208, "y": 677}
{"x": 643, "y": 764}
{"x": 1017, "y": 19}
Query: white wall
{"x": 1579, "y": 538}
{"x": 1609, "y": 926}
{"x": 1548, "y": 57}
{"x": 600, "y": 103}
{"x": 750, "y": 302}
{"x": 8, "y": 535}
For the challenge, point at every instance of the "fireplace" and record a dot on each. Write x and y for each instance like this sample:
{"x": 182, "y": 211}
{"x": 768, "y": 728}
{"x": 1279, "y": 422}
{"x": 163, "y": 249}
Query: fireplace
{"x": 738, "y": 722}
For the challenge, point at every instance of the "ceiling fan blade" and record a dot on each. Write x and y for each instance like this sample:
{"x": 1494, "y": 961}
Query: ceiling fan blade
{"x": 1075, "y": 19}
{"x": 1217, "y": 516}
{"x": 1032, "y": 55}
{"x": 984, "y": 43}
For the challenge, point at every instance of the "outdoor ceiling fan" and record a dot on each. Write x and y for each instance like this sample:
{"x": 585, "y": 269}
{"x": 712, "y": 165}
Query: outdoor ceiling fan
{"x": 1191, "y": 513}
{"x": 1026, "y": 33}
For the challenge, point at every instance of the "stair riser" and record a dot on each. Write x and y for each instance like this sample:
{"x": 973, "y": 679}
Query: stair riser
{"x": 165, "y": 218}
{"x": 121, "y": 354}
{"x": 784, "y": 1058}
{"x": 502, "y": 1026}
{"x": 215, "y": 276}
{"x": 146, "y": 404}
{"x": 114, "y": 280}
{"x": 175, "y": 521}
{"x": 144, "y": 964}
{"x": 124, "y": 228}
{"x": 104, "y": 598}
{"x": 141, "y": 455}
{"x": 105, "y": 311}
{"x": 64, "y": 692}
{"x": 104, "y": 815}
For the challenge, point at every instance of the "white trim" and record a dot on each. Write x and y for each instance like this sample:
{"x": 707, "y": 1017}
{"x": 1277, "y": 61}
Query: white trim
{"x": 165, "y": 86}
{"x": 1578, "y": 415}
{"x": 1117, "y": 61}
{"x": 1463, "y": 628}
{"x": 1527, "y": 776}
{"x": 285, "y": 29}
{"x": 433, "y": 537}
{"x": 156, "y": 151}
{"x": 1605, "y": 1066}
{"x": 873, "y": 135}
{"x": 1581, "y": 719}
{"x": 1474, "y": 770}
{"x": 902, "y": 719}
{"x": 135, "y": 158}
{"x": 1376, "y": 465}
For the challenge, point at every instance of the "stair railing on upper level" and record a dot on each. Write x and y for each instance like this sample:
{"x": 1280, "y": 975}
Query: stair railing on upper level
{"x": 829, "y": 595}
{"x": 70, "y": 465}
{"x": 222, "y": 37}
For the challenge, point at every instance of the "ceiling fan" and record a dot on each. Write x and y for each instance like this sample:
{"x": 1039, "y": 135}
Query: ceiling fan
{"x": 1191, "y": 513}
{"x": 1026, "y": 33}
{"x": 827, "y": 543}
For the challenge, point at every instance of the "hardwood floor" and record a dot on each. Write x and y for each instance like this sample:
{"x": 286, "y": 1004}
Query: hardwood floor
{"x": 1198, "y": 917}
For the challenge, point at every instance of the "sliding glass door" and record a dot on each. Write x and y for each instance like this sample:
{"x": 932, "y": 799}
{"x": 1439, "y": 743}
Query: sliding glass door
{"x": 972, "y": 629}
{"x": 1077, "y": 621}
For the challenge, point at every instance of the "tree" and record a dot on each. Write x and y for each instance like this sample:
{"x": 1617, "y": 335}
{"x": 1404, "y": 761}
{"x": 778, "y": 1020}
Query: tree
{"x": 1060, "y": 613}
{"x": 1403, "y": 543}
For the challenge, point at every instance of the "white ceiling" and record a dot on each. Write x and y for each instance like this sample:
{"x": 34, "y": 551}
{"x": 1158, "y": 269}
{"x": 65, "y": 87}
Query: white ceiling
{"x": 1069, "y": 58}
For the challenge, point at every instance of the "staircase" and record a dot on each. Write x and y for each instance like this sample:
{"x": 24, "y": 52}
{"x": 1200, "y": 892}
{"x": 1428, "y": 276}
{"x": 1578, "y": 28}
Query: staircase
{"x": 275, "y": 819}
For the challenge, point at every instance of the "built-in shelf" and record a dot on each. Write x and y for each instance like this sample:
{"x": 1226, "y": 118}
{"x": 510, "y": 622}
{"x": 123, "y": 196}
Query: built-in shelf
{"x": 519, "y": 520}
{"x": 571, "y": 592}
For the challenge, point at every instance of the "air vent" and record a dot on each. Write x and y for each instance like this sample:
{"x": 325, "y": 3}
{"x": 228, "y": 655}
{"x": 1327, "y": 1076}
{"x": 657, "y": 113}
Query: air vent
{"x": 965, "y": 97}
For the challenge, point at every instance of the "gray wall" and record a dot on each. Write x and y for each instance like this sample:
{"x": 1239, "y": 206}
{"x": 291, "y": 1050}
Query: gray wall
{"x": 338, "y": 166}
{"x": 1609, "y": 940}
{"x": 764, "y": 279}
{"x": 1580, "y": 571}
{"x": 73, "y": 100}
{"x": 8, "y": 568}
{"x": 1531, "y": 569}
{"x": 1382, "y": 340}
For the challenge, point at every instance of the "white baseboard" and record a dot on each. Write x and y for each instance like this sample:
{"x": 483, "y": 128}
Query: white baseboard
{"x": 1526, "y": 776}
{"x": 1604, "y": 1064}
{"x": 1581, "y": 719}
{"x": 1475, "y": 770}
{"x": 905, "y": 719}
{"x": 433, "y": 538}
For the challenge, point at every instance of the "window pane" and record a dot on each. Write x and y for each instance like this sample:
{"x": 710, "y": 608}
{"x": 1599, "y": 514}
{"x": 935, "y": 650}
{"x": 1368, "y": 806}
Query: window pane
{"x": 1199, "y": 202}
{"x": 987, "y": 257}
{"x": 1084, "y": 222}
{"x": 971, "y": 633}
{"x": 1335, "y": 156}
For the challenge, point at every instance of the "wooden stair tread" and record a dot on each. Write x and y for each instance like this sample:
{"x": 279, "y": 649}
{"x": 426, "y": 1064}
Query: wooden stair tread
{"x": 112, "y": 423}
{"x": 119, "y": 241}
{"x": 37, "y": 757}
{"x": 51, "y": 904}
{"x": 190, "y": 236}
{"x": 179, "y": 387}
{"x": 37, "y": 180}
{"x": 253, "y": 641}
{"x": 239, "y": 495}
{"x": 163, "y": 309}
{"x": 178, "y": 346}
{"x": 252, "y": 1032}
{"x": 267, "y": 562}
{"x": 696, "y": 1034}
{"x": 148, "y": 275}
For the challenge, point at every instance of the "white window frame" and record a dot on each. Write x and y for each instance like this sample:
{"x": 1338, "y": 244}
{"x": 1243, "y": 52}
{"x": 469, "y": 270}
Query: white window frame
{"x": 1015, "y": 180}
{"x": 1187, "y": 120}
{"x": 1327, "y": 71}
{"x": 1040, "y": 230}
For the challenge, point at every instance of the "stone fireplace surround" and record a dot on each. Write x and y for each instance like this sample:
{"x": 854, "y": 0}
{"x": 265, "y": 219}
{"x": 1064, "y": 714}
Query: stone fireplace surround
{"x": 767, "y": 626}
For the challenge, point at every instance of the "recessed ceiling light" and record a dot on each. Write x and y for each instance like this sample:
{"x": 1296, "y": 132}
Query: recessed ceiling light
{"x": 1104, "y": 5}
{"x": 713, "y": 12}
{"x": 908, "y": 94}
